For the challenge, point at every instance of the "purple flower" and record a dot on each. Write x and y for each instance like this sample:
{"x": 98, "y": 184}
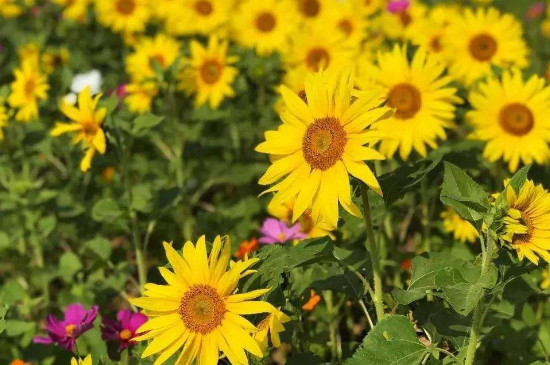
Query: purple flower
{"x": 398, "y": 6}
{"x": 77, "y": 321}
{"x": 124, "y": 328}
{"x": 276, "y": 231}
{"x": 536, "y": 10}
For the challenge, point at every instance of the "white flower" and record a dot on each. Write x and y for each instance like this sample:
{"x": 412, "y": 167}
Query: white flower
{"x": 93, "y": 79}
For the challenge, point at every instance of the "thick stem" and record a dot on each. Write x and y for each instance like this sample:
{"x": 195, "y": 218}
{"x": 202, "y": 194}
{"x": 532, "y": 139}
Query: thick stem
{"x": 370, "y": 245}
{"x": 124, "y": 358}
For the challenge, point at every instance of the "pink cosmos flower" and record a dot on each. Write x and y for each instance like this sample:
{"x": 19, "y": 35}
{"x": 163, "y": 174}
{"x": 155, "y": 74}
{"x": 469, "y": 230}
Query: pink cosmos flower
{"x": 124, "y": 329}
{"x": 77, "y": 321}
{"x": 398, "y": 6}
{"x": 276, "y": 231}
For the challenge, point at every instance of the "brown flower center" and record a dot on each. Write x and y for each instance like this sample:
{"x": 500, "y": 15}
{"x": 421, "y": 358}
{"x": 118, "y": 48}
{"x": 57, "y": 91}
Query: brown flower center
{"x": 516, "y": 119}
{"x": 211, "y": 71}
{"x": 310, "y": 8}
{"x": 406, "y": 99}
{"x": 266, "y": 22}
{"x": 346, "y": 26}
{"x": 125, "y": 7}
{"x": 519, "y": 239}
{"x": 324, "y": 142}
{"x": 202, "y": 309}
{"x": 29, "y": 87}
{"x": 317, "y": 59}
{"x": 405, "y": 18}
{"x": 125, "y": 334}
{"x": 483, "y": 47}
{"x": 435, "y": 44}
{"x": 89, "y": 129}
{"x": 159, "y": 58}
{"x": 204, "y": 7}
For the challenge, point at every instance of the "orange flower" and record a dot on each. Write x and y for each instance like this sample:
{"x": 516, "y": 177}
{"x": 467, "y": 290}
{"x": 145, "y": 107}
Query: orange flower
{"x": 17, "y": 362}
{"x": 406, "y": 264}
{"x": 246, "y": 247}
{"x": 107, "y": 174}
{"x": 312, "y": 302}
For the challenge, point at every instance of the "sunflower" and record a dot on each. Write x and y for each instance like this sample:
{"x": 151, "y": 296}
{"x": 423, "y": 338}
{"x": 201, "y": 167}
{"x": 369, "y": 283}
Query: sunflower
{"x": 30, "y": 86}
{"x": 348, "y": 22}
{"x": 86, "y": 123}
{"x": 272, "y": 324}
{"x": 209, "y": 73}
{"x": 74, "y": 9}
{"x": 199, "y": 310}
{"x": 513, "y": 116}
{"x": 320, "y": 142}
{"x": 312, "y": 10}
{"x": 397, "y": 25}
{"x": 527, "y": 223}
{"x": 284, "y": 212}
{"x": 200, "y": 16}
{"x": 140, "y": 95}
{"x": 422, "y": 100}
{"x": 10, "y": 8}
{"x": 479, "y": 40}
{"x": 127, "y": 16}
{"x": 461, "y": 229}
{"x": 265, "y": 25}
{"x": 162, "y": 50}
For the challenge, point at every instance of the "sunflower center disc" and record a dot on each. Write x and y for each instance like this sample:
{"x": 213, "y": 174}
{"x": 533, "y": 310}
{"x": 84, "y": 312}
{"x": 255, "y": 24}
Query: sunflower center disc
{"x": 346, "y": 26}
{"x": 483, "y": 47}
{"x": 317, "y": 59}
{"x": 310, "y": 8}
{"x": 519, "y": 239}
{"x": 211, "y": 71}
{"x": 204, "y": 7}
{"x": 29, "y": 87}
{"x": 516, "y": 119}
{"x": 324, "y": 142}
{"x": 202, "y": 309}
{"x": 265, "y": 22}
{"x": 406, "y": 99}
{"x": 126, "y": 7}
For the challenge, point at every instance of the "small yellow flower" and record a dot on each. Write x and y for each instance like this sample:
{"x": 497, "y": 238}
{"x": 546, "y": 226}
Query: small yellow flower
{"x": 162, "y": 50}
{"x": 545, "y": 28}
{"x": 10, "y": 8}
{"x": 124, "y": 15}
{"x": 140, "y": 96}
{"x": 545, "y": 283}
{"x": 86, "y": 123}
{"x": 74, "y": 9}
{"x": 461, "y": 229}
{"x": 87, "y": 361}
{"x": 272, "y": 324}
{"x": 30, "y": 86}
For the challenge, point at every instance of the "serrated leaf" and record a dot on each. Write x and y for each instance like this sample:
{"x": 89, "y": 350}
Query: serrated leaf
{"x": 392, "y": 341}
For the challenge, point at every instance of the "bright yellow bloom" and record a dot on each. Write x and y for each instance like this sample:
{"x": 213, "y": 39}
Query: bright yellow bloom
{"x": 140, "y": 96}
{"x": 199, "y": 309}
{"x": 312, "y": 10}
{"x": 30, "y": 86}
{"x": 30, "y": 52}
{"x": 161, "y": 49}
{"x": 86, "y": 123}
{"x": 345, "y": 20}
{"x": 545, "y": 283}
{"x": 209, "y": 73}
{"x": 513, "y": 116}
{"x": 123, "y": 15}
{"x": 86, "y": 361}
{"x": 368, "y": 7}
{"x": 461, "y": 229}
{"x": 527, "y": 224}
{"x": 265, "y": 25}
{"x": 284, "y": 212}
{"x": 3, "y": 118}
{"x": 200, "y": 16}
{"x": 74, "y": 9}
{"x": 321, "y": 141}
{"x": 272, "y": 324}
{"x": 421, "y": 97}
{"x": 477, "y": 41}
{"x": 10, "y": 8}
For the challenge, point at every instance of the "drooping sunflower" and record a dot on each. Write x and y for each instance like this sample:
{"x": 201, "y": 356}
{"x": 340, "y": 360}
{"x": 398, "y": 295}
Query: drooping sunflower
{"x": 527, "y": 224}
{"x": 461, "y": 229}
{"x": 265, "y": 25}
{"x": 423, "y": 102}
{"x": 199, "y": 310}
{"x": 272, "y": 324}
{"x": 125, "y": 16}
{"x": 321, "y": 141}
{"x": 29, "y": 87}
{"x": 481, "y": 39}
{"x": 201, "y": 16}
{"x": 162, "y": 50}
{"x": 209, "y": 73}
{"x": 86, "y": 123}
{"x": 513, "y": 116}
{"x": 312, "y": 229}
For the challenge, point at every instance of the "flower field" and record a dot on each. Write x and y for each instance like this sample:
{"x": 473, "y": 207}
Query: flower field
{"x": 300, "y": 182}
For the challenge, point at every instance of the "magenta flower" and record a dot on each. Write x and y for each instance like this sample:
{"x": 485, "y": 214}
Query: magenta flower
{"x": 77, "y": 321}
{"x": 276, "y": 231}
{"x": 536, "y": 10}
{"x": 124, "y": 328}
{"x": 398, "y": 6}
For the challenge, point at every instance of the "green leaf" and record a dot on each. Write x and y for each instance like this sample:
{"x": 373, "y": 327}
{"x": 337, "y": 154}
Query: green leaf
{"x": 100, "y": 247}
{"x": 3, "y": 312}
{"x": 16, "y": 328}
{"x": 69, "y": 264}
{"x": 142, "y": 197}
{"x": 106, "y": 210}
{"x": 144, "y": 123}
{"x": 392, "y": 341}
{"x": 519, "y": 178}
{"x": 463, "y": 194}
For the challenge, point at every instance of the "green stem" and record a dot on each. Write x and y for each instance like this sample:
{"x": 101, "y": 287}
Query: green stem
{"x": 370, "y": 245}
{"x": 124, "y": 358}
{"x": 333, "y": 325}
{"x": 479, "y": 316}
